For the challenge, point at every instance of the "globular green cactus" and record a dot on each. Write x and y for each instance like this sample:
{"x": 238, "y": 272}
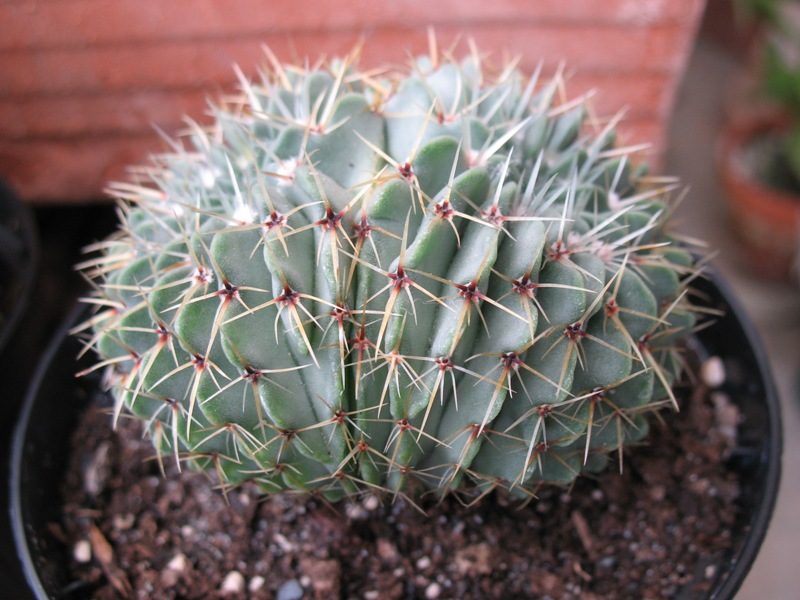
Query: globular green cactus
{"x": 441, "y": 278}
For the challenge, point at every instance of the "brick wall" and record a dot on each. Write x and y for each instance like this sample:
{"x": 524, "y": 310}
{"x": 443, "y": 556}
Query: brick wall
{"x": 83, "y": 82}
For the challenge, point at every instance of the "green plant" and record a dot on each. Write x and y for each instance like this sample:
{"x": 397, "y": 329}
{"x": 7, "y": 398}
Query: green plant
{"x": 443, "y": 278}
{"x": 778, "y": 24}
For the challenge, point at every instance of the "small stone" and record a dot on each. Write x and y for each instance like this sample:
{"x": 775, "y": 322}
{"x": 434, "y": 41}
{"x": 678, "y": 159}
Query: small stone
{"x": 124, "y": 522}
{"x": 256, "y": 583}
{"x": 699, "y": 486}
{"x": 607, "y": 563}
{"x": 372, "y": 595}
{"x": 712, "y": 372}
{"x": 177, "y": 563}
{"x": 291, "y": 590}
{"x": 657, "y": 492}
{"x": 387, "y": 551}
{"x": 433, "y": 591}
{"x": 97, "y": 472}
{"x": 726, "y": 412}
{"x": 424, "y": 563}
{"x": 169, "y": 578}
{"x": 356, "y": 511}
{"x": 283, "y": 542}
{"x": 232, "y": 584}
{"x": 474, "y": 560}
{"x": 173, "y": 571}
{"x": 82, "y": 551}
{"x": 325, "y": 576}
{"x": 371, "y": 503}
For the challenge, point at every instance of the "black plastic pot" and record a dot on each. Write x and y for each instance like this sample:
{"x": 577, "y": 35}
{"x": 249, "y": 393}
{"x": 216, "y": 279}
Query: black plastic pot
{"x": 56, "y": 397}
{"x": 18, "y": 260}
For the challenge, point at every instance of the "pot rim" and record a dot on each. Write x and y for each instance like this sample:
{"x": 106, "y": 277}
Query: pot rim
{"x": 730, "y": 143}
{"x": 737, "y": 319}
{"x": 16, "y": 509}
{"x": 30, "y": 248}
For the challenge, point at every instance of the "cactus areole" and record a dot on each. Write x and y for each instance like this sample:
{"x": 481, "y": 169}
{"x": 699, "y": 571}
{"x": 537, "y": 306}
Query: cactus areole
{"x": 447, "y": 278}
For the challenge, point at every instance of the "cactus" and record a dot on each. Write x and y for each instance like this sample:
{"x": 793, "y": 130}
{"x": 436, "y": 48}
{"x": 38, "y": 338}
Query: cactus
{"x": 442, "y": 278}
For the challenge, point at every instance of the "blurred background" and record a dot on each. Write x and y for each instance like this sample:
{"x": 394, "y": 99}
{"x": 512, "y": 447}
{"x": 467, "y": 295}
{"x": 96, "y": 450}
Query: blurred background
{"x": 85, "y": 86}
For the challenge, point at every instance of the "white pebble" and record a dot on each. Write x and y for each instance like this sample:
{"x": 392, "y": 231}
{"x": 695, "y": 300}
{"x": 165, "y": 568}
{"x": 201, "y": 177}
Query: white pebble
{"x": 256, "y": 583}
{"x": 124, "y": 522}
{"x": 433, "y": 591}
{"x": 371, "y": 503}
{"x": 356, "y": 512}
{"x": 232, "y": 584}
{"x": 82, "y": 552}
{"x": 423, "y": 563}
{"x": 177, "y": 563}
{"x": 712, "y": 372}
{"x": 283, "y": 542}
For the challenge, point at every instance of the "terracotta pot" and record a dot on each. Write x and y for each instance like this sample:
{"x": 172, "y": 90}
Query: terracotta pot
{"x": 765, "y": 220}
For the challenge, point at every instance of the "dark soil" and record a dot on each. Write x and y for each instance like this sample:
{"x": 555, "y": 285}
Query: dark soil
{"x": 659, "y": 530}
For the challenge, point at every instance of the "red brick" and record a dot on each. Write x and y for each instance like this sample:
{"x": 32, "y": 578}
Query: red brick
{"x": 67, "y": 23}
{"x": 176, "y": 64}
{"x": 78, "y": 170}
{"x": 59, "y": 117}
{"x": 638, "y": 94}
{"x": 71, "y": 170}
{"x": 137, "y": 112}
{"x": 84, "y": 79}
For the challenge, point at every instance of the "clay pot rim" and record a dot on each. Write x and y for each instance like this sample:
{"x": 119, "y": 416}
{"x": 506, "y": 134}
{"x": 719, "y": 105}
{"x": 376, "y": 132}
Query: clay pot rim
{"x": 733, "y": 138}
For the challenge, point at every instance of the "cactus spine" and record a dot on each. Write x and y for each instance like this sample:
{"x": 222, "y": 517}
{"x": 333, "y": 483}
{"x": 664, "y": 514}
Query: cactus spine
{"x": 443, "y": 278}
